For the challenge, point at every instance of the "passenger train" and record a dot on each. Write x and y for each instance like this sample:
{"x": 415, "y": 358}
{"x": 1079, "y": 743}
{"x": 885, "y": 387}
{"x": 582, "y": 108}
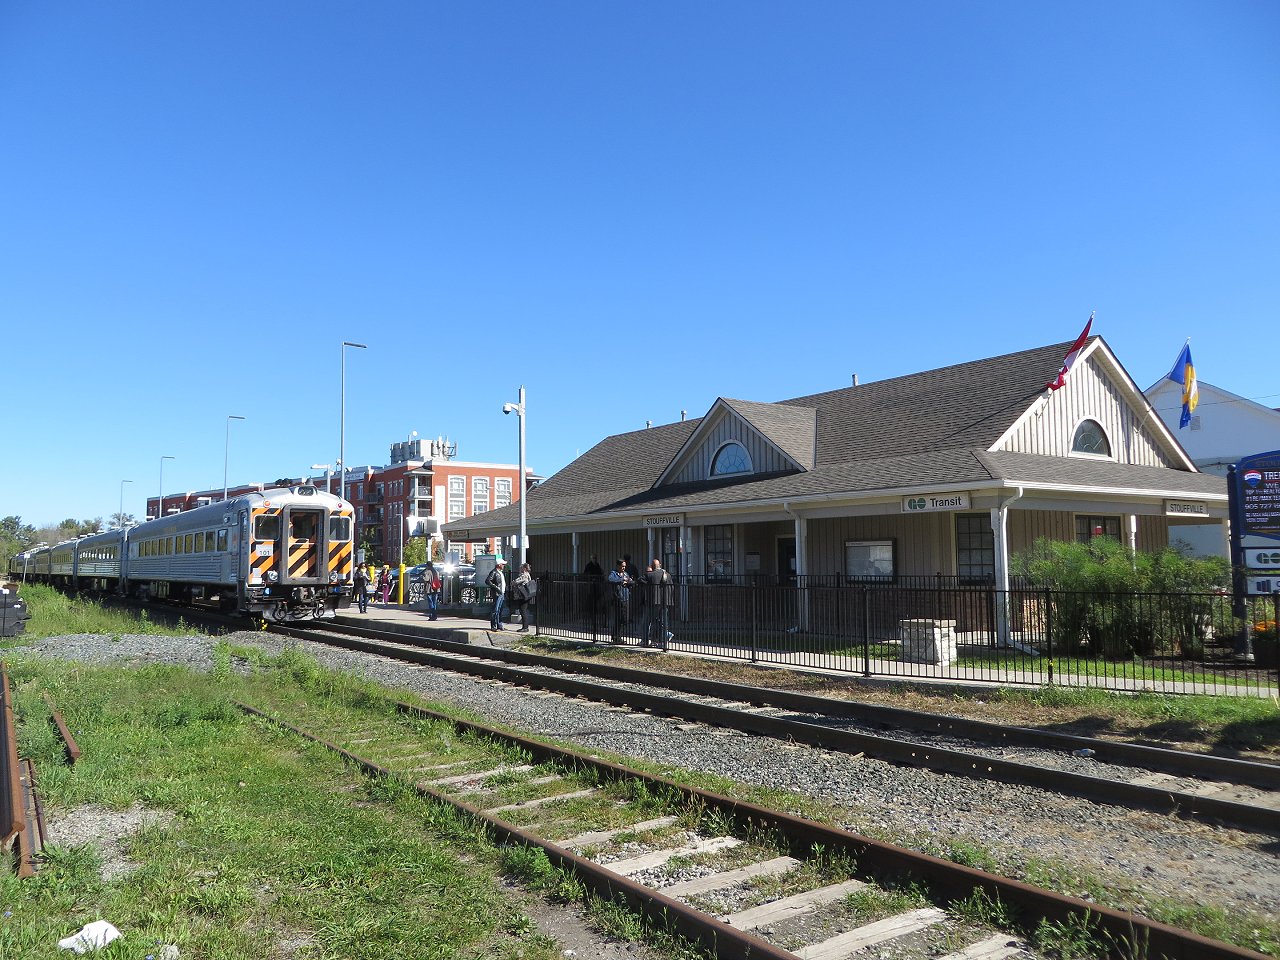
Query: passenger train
{"x": 278, "y": 554}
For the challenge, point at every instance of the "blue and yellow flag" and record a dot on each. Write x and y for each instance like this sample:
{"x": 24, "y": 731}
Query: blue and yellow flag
{"x": 1184, "y": 372}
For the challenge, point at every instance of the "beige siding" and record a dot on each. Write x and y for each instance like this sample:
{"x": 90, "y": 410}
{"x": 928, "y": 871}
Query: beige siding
{"x": 696, "y": 464}
{"x": 1089, "y": 393}
{"x": 1026, "y": 527}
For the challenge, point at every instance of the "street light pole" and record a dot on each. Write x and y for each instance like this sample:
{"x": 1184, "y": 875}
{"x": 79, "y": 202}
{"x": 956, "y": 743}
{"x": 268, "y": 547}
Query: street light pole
{"x": 226, "y": 452}
{"x": 518, "y": 410}
{"x": 120, "y": 515}
{"x": 160, "y": 505}
{"x": 326, "y": 467}
{"x": 342, "y": 420}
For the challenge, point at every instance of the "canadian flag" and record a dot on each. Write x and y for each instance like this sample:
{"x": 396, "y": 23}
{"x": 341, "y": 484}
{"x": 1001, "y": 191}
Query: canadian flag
{"x": 1070, "y": 359}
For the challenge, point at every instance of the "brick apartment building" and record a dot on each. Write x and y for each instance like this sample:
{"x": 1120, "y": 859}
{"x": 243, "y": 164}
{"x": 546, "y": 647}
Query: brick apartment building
{"x": 423, "y": 487}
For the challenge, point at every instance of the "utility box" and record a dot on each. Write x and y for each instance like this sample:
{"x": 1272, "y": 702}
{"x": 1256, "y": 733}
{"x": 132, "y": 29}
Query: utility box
{"x": 485, "y": 562}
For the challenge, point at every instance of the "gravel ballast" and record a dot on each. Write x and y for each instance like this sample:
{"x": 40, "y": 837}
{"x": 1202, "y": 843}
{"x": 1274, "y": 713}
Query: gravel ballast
{"x": 1157, "y": 857}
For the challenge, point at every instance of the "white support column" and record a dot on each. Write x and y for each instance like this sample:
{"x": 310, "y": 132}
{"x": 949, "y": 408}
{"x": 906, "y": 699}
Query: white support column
{"x": 801, "y": 524}
{"x": 1000, "y": 531}
{"x": 577, "y": 567}
{"x": 1133, "y": 533}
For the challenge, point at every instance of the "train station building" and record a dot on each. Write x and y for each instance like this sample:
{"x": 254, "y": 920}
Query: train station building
{"x": 942, "y": 474}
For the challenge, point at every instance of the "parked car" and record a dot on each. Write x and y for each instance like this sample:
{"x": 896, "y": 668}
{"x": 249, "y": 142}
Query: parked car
{"x": 460, "y": 582}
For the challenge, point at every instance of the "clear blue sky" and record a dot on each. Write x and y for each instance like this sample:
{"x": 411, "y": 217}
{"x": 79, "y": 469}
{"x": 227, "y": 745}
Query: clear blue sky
{"x": 629, "y": 208}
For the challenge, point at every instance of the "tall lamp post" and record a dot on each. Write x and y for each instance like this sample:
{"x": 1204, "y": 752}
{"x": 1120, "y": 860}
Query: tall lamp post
{"x": 342, "y": 420}
{"x": 120, "y": 515}
{"x": 518, "y": 410}
{"x": 226, "y": 453}
{"x": 160, "y": 504}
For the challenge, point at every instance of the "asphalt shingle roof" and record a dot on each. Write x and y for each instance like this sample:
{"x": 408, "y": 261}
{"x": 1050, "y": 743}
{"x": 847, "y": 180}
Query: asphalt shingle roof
{"x": 922, "y": 429}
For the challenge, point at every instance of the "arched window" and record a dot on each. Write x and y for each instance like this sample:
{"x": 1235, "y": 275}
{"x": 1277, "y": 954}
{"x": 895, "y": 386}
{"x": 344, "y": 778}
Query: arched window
{"x": 729, "y": 459}
{"x": 1091, "y": 440}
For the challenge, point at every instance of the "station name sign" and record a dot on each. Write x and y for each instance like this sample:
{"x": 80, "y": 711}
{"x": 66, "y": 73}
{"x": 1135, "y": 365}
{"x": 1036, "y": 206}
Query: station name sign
{"x": 1185, "y": 508}
{"x": 934, "y": 502}
{"x": 665, "y": 520}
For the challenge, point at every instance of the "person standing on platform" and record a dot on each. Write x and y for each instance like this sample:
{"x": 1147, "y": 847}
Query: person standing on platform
{"x": 433, "y": 583}
{"x": 497, "y": 584}
{"x": 525, "y": 590}
{"x": 384, "y": 584}
{"x": 360, "y": 587}
{"x": 620, "y": 584}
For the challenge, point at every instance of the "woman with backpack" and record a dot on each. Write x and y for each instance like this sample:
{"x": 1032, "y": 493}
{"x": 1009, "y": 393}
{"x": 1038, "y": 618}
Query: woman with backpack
{"x": 525, "y": 590}
{"x": 432, "y": 581}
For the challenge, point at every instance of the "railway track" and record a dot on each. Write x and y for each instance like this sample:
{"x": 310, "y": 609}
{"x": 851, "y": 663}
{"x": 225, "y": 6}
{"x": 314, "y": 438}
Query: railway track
{"x": 1215, "y": 789}
{"x": 742, "y": 880}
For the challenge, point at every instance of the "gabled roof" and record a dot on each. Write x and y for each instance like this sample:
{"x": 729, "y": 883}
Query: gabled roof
{"x": 791, "y": 430}
{"x": 935, "y": 427}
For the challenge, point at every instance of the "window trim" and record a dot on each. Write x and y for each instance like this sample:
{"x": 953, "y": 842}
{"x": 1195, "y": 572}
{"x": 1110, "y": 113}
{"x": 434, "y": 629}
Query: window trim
{"x": 890, "y": 542}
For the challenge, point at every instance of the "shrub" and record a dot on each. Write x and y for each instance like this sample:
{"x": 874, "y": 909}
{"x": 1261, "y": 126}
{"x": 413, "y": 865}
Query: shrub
{"x": 1112, "y": 602}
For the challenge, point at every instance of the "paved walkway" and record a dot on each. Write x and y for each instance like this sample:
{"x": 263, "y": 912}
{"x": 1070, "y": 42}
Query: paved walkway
{"x": 464, "y": 629}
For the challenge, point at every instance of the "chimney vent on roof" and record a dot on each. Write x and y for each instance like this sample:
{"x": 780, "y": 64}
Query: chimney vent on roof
{"x": 648, "y": 424}
{"x": 855, "y": 379}
{"x": 683, "y": 414}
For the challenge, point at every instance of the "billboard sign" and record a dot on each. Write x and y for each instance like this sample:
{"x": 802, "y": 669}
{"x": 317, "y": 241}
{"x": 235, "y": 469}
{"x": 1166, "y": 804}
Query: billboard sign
{"x": 1258, "y": 494}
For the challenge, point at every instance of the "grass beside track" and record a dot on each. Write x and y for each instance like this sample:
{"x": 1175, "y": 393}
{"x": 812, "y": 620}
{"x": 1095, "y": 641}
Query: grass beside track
{"x": 272, "y": 848}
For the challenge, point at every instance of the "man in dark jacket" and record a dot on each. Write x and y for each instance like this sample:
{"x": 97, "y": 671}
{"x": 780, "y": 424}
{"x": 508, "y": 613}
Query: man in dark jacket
{"x": 497, "y": 584}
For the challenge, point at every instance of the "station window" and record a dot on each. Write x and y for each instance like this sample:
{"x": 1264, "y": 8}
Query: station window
{"x": 869, "y": 560}
{"x": 975, "y": 547}
{"x": 1089, "y": 527}
{"x": 718, "y": 544}
{"x": 1091, "y": 440}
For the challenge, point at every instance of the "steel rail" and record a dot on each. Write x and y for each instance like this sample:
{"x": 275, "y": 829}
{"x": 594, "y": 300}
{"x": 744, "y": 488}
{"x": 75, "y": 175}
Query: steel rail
{"x": 1157, "y": 759}
{"x": 951, "y": 881}
{"x": 900, "y": 752}
{"x": 12, "y": 802}
{"x": 727, "y": 942}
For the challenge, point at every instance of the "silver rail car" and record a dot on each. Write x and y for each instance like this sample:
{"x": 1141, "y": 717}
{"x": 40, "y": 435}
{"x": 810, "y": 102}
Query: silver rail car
{"x": 278, "y": 554}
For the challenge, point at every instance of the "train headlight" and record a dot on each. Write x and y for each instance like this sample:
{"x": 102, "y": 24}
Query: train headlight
{"x": 272, "y": 576}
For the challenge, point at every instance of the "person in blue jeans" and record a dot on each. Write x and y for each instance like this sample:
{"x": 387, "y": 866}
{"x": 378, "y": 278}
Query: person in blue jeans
{"x": 497, "y": 583}
{"x": 431, "y": 580}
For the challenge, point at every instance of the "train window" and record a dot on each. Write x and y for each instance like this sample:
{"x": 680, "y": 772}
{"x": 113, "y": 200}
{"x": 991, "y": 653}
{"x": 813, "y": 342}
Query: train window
{"x": 302, "y": 526}
{"x": 188, "y": 544}
{"x": 266, "y": 528}
{"x": 339, "y": 529}
{"x": 222, "y": 541}
{"x": 200, "y": 542}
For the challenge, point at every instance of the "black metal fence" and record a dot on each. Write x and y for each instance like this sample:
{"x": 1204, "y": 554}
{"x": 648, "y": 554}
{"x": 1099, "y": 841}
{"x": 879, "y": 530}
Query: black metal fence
{"x": 938, "y": 628}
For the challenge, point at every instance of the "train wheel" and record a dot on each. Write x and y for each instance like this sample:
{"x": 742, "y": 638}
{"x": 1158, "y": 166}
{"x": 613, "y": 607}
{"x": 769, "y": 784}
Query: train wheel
{"x": 279, "y": 613}
{"x": 317, "y": 609}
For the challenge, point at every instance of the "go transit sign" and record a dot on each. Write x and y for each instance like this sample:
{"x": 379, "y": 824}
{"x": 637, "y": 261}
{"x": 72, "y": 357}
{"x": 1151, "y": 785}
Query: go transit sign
{"x": 934, "y": 502}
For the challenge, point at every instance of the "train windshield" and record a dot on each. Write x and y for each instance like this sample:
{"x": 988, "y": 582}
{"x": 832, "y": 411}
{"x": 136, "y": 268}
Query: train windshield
{"x": 266, "y": 528}
{"x": 339, "y": 529}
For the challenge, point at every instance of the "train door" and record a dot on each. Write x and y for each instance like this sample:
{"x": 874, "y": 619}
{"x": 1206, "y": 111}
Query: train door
{"x": 305, "y": 529}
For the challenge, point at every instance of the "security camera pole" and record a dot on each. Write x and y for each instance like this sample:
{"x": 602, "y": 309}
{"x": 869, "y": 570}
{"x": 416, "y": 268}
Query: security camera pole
{"x": 518, "y": 409}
